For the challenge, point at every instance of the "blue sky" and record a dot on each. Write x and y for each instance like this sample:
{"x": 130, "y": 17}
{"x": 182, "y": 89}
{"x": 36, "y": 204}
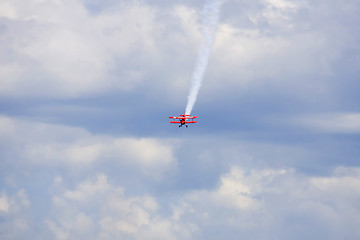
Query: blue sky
{"x": 87, "y": 151}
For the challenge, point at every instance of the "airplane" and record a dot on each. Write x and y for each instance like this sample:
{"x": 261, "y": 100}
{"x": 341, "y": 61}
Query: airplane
{"x": 183, "y": 120}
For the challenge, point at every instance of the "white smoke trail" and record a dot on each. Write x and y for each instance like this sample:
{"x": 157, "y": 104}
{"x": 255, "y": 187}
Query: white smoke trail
{"x": 210, "y": 18}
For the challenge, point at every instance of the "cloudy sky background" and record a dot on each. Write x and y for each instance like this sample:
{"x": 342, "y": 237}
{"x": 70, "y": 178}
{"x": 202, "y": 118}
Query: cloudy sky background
{"x": 86, "y": 150}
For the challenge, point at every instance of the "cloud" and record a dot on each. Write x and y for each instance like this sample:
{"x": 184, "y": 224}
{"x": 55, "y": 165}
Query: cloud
{"x": 252, "y": 203}
{"x": 252, "y": 189}
{"x": 67, "y": 50}
{"x": 70, "y": 50}
{"x": 276, "y": 202}
{"x": 14, "y": 209}
{"x": 4, "y": 203}
{"x": 348, "y": 123}
{"x": 277, "y": 13}
{"x": 99, "y": 210}
{"x": 288, "y": 48}
{"x": 57, "y": 145}
{"x": 249, "y": 57}
{"x": 88, "y": 189}
{"x": 61, "y": 47}
{"x": 106, "y": 66}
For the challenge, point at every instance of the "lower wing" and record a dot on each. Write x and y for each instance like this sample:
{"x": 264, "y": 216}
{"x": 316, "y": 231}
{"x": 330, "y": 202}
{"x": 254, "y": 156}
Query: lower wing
{"x": 184, "y": 122}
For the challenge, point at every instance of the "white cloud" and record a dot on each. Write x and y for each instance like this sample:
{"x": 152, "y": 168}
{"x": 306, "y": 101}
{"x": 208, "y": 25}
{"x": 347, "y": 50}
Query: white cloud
{"x": 7, "y": 10}
{"x": 234, "y": 193}
{"x": 253, "y": 202}
{"x": 113, "y": 214}
{"x": 88, "y": 189}
{"x": 244, "y": 57}
{"x": 344, "y": 184}
{"x": 237, "y": 50}
{"x": 60, "y": 50}
{"x": 330, "y": 122}
{"x": 237, "y": 190}
{"x": 188, "y": 22}
{"x": 150, "y": 155}
{"x": 15, "y": 203}
{"x": 258, "y": 202}
{"x": 277, "y": 12}
{"x": 57, "y": 145}
{"x": 4, "y": 204}
{"x": 289, "y": 47}
{"x": 15, "y": 223}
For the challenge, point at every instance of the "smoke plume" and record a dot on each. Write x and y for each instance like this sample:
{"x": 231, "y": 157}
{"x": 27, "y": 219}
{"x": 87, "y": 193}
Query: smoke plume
{"x": 210, "y": 17}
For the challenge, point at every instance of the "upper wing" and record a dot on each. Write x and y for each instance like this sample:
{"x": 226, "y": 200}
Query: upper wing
{"x": 187, "y": 117}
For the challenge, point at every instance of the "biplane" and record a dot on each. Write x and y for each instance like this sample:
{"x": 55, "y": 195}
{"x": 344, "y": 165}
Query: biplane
{"x": 183, "y": 120}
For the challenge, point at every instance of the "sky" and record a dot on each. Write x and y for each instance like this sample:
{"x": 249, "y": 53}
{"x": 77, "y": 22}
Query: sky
{"x": 87, "y": 150}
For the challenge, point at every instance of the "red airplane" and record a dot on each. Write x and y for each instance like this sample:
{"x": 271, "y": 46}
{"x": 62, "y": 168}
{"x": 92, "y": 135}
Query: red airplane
{"x": 183, "y": 120}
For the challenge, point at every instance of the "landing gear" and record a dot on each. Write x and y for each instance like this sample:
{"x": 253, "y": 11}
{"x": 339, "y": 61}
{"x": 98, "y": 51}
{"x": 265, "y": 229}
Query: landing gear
{"x": 186, "y": 125}
{"x": 180, "y": 126}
